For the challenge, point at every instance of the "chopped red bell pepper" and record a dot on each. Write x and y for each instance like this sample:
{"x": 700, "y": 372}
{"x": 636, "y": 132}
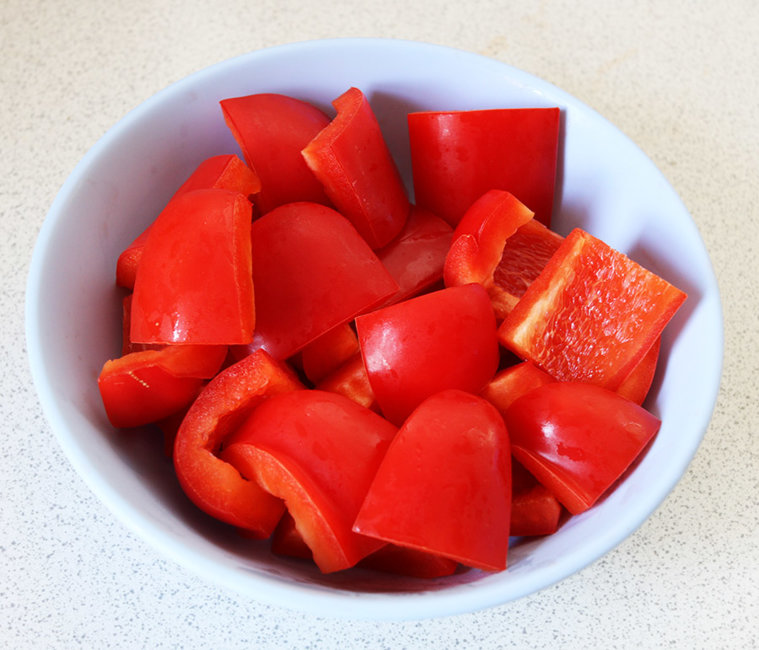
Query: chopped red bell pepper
{"x": 350, "y": 380}
{"x": 577, "y": 439}
{"x": 318, "y": 451}
{"x": 194, "y": 282}
{"x": 416, "y": 348}
{"x": 148, "y": 385}
{"x": 214, "y": 485}
{"x": 327, "y": 353}
{"x": 479, "y": 241}
{"x": 225, "y": 172}
{"x": 448, "y": 464}
{"x": 591, "y": 315}
{"x": 457, "y": 156}
{"x": 352, "y": 161}
{"x": 415, "y": 258}
{"x": 525, "y": 255}
{"x": 312, "y": 271}
{"x": 271, "y": 130}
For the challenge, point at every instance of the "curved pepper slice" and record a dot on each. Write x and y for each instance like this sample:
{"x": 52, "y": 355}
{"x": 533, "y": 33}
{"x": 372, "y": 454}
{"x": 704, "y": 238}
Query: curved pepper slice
{"x": 479, "y": 241}
{"x": 591, "y": 315}
{"x": 224, "y": 172}
{"x": 312, "y": 271}
{"x": 415, "y": 258}
{"x": 271, "y": 130}
{"x": 577, "y": 439}
{"x": 149, "y": 385}
{"x": 319, "y": 452}
{"x": 214, "y": 485}
{"x": 416, "y": 348}
{"x": 444, "y": 485}
{"x": 456, "y": 156}
{"x": 352, "y": 161}
{"x": 194, "y": 283}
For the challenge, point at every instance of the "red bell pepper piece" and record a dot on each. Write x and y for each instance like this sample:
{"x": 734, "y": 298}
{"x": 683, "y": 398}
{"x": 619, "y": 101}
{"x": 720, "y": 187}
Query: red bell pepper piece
{"x": 129, "y": 260}
{"x": 415, "y": 258}
{"x": 457, "y": 156}
{"x": 146, "y": 386}
{"x": 444, "y": 486}
{"x": 479, "y": 241}
{"x": 513, "y": 382}
{"x": 127, "y": 345}
{"x": 318, "y": 451}
{"x": 534, "y": 508}
{"x": 577, "y": 439}
{"x": 416, "y": 348}
{"x": 327, "y": 353}
{"x": 312, "y": 272}
{"x": 352, "y": 161}
{"x": 224, "y": 172}
{"x": 350, "y": 380}
{"x": 390, "y": 558}
{"x": 636, "y": 385}
{"x": 271, "y": 130}
{"x": 524, "y": 256}
{"x": 286, "y": 540}
{"x": 214, "y": 485}
{"x": 205, "y": 294}
{"x": 591, "y": 315}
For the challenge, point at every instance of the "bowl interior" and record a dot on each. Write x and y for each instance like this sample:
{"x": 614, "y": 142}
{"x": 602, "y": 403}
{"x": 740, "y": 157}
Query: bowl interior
{"x": 605, "y": 185}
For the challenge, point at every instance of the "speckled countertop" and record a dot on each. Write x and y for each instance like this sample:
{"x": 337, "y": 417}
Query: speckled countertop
{"x": 680, "y": 78}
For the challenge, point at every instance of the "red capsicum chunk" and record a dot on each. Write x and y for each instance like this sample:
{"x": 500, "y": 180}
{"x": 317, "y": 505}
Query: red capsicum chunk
{"x": 444, "y": 485}
{"x": 145, "y": 386}
{"x": 214, "y": 485}
{"x": 513, "y": 382}
{"x": 457, "y": 156}
{"x": 591, "y": 315}
{"x": 328, "y": 352}
{"x": 350, "y": 379}
{"x": 318, "y": 451}
{"x": 534, "y": 508}
{"x": 415, "y": 258}
{"x": 224, "y": 172}
{"x": 524, "y": 256}
{"x": 352, "y": 161}
{"x": 479, "y": 240}
{"x": 312, "y": 272}
{"x": 577, "y": 439}
{"x": 416, "y": 348}
{"x": 271, "y": 130}
{"x": 194, "y": 283}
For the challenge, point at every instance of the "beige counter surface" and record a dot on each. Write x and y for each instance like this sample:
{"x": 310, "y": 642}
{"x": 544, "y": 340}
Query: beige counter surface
{"x": 680, "y": 78}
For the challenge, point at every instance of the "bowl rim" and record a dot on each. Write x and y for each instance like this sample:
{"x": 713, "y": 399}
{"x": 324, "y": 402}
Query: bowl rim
{"x": 317, "y": 599}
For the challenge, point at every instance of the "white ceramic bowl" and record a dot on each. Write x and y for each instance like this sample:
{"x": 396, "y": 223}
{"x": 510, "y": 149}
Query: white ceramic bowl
{"x": 606, "y": 185}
